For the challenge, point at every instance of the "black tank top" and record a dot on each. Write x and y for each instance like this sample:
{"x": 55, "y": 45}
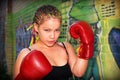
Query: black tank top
{"x": 60, "y": 72}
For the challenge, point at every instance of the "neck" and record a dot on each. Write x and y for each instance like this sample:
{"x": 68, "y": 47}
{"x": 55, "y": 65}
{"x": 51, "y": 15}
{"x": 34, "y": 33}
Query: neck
{"x": 45, "y": 46}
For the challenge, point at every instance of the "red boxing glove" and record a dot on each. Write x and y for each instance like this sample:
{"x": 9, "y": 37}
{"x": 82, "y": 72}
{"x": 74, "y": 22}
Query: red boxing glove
{"x": 19, "y": 77}
{"x": 83, "y": 30}
{"x": 34, "y": 66}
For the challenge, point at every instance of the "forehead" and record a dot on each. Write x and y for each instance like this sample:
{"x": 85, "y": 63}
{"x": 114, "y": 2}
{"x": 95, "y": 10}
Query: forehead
{"x": 51, "y": 23}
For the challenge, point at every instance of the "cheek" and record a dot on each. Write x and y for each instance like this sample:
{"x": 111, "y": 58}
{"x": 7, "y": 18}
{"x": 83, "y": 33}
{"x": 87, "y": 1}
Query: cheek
{"x": 42, "y": 35}
{"x": 58, "y": 34}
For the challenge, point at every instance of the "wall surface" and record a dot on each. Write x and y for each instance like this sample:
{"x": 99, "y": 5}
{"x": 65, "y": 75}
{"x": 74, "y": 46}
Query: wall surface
{"x": 102, "y": 15}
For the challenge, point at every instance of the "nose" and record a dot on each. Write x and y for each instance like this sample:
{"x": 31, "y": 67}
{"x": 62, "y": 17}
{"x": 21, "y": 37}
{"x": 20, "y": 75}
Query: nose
{"x": 52, "y": 35}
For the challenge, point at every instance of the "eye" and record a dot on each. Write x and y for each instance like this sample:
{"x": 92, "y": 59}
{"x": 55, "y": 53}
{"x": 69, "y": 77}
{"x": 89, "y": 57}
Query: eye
{"x": 46, "y": 29}
{"x": 58, "y": 30}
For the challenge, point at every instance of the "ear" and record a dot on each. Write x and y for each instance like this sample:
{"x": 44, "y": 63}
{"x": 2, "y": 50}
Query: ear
{"x": 35, "y": 26}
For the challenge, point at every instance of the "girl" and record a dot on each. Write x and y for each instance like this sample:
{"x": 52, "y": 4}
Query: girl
{"x": 64, "y": 63}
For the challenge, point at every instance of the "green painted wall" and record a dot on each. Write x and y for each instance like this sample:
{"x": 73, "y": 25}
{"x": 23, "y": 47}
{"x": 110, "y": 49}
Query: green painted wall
{"x": 102, "y": 16}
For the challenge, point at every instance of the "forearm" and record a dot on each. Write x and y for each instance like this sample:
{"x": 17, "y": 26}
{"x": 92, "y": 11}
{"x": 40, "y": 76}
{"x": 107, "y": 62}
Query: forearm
{"x": 80, "y": 67}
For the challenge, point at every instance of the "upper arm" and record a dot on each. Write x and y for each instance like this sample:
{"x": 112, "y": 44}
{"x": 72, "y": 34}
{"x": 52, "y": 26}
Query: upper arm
{"x": 78, "y": 65}
{"x": 18, "y": 61}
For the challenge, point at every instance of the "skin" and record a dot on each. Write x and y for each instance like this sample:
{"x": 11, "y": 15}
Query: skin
{"x": 48, "y": 33}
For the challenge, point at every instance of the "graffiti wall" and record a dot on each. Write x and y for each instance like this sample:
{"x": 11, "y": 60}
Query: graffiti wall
{"x": 102, "y": 15}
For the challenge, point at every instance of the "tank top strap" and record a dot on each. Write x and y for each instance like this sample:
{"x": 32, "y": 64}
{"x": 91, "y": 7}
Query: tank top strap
{"x": 29, "y": 49}
{"x": 65, "y": 47}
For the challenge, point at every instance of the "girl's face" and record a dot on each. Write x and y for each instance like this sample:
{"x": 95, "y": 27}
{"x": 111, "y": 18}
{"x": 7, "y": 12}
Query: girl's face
{"x": 49, "y": 31}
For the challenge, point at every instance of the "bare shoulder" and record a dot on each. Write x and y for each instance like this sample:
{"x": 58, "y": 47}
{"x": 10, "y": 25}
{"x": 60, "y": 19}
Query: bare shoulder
{"x": 68, "y": 45}
{"x": 19, "y": 59}
{"x": 23, "y": 52}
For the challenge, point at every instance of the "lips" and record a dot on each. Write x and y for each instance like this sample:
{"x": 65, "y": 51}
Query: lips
{"x": 51, "y": 42}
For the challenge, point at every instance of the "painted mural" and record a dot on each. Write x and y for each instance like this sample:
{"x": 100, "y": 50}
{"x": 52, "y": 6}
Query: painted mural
{"x": 23, "y": 36}
{"x": 104, "y": 18}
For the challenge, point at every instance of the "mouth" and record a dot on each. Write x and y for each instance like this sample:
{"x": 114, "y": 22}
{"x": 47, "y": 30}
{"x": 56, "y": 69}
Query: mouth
{"x": 51, "y": 42}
